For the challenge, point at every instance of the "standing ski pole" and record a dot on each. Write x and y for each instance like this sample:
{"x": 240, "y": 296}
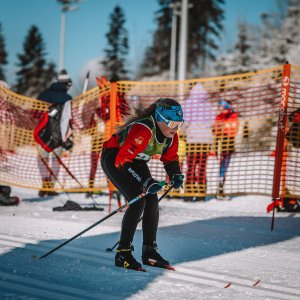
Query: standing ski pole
{"x": 52, "y": 173}
{"x": 161, "y": 197}
{"x": 137, "y": 198}
{"x": 86, "y": 81}
{"x": 70, "y": 173}
{"x": 67, "y": 169}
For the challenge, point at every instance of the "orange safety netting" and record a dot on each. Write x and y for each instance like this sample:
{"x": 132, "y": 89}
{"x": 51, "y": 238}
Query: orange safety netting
{"x": 231, "y": 157}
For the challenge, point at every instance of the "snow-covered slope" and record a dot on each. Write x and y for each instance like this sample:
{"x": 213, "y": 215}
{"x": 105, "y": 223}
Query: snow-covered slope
{"x": 211, "y": 245}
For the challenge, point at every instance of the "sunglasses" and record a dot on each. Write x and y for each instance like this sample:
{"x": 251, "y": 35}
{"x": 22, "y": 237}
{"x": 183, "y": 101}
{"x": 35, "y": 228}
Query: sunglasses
{"x": 171, "y": 124}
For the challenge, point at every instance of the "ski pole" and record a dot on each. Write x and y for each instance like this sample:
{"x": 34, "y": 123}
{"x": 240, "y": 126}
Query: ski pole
{"x": 51, "y": 171}
{"x": 161, "y": 197}
{"x": 67, "y": 169}
{"x": 70, "y": 173}
{"x": 86, "y": 81}
{"x": 137, "y": 198}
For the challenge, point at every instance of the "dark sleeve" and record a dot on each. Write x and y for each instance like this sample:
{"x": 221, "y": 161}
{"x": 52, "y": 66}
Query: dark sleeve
{"x": 172, "y": 168}
{"x": 170, "y": 158}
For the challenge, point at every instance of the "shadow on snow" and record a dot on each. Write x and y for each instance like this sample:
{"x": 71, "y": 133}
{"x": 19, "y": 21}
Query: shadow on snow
{"x": 95, "y": 273}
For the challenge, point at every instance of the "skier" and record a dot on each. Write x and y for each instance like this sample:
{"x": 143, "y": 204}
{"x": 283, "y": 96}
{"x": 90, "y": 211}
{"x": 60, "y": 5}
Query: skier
{"x": 225, "y": 129}
{"x": 53, "y": 132}
{"x": 124, "y": 160}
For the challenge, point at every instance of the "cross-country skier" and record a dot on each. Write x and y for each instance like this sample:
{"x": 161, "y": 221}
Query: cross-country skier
{"x": 124, "y": 160}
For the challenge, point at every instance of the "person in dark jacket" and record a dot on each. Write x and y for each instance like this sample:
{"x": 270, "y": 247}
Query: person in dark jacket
{"x": 49, "y": 135}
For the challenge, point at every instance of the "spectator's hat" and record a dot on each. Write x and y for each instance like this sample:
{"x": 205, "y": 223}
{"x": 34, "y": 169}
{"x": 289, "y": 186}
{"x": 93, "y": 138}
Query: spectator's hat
{"x": 63, "y": 77}
{"x": 225, "y": 104}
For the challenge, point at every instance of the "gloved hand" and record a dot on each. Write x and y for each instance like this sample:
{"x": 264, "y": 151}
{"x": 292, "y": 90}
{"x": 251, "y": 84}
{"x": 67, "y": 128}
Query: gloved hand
{"x": 68, "y": 144}
{"x": 177, "y": 180}
{"x": 153, "y": 186}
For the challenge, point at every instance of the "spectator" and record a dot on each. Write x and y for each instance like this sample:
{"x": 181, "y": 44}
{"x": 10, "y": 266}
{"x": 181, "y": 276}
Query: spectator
{"x": 6, "y": 117}
{"x": 293, "y": 134}
{"x": 53, "y": 133}
{"x": 225, "y": 129}
{"x": 199, "y": 120}
{"x": 5, "y": 190}
{"x": 122, "y": 109}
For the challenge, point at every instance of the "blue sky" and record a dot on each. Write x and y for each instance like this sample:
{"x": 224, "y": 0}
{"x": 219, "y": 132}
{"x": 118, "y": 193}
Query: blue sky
{"x": 86, "y": 28}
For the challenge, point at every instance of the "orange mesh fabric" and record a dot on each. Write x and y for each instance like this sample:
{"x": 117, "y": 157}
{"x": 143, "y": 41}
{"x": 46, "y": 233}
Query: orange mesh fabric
{"x": 243, "y": 161}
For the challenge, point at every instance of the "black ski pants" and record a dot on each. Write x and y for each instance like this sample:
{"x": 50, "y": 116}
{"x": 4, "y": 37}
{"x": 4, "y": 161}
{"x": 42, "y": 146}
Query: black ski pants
{"x": 129, "y": 181}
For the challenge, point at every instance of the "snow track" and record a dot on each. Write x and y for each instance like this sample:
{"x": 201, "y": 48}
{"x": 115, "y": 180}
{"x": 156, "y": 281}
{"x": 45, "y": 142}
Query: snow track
{"x": 20, "y": 282}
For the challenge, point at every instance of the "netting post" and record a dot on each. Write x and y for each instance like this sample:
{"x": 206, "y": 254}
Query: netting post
{"x": 113, "y": 122}
{"x": 113, "y": 106}
{"x": 280, "y": 156}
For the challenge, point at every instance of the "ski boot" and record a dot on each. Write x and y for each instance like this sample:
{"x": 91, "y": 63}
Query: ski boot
{"x": 51, "y": 193}
{"x": 124, "y": 259}
{"x": 152, "y": 258}
{"x": 47, "y": 184}
{"x": 220, "y": 194}
{"x": 9, "y": 201}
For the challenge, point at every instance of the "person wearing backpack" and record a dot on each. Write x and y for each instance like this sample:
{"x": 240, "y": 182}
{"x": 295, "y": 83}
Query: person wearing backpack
{"x": 53, "y": 133}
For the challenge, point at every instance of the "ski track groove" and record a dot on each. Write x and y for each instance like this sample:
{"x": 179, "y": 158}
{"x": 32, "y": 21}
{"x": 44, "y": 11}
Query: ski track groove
{"x": 181, "y": 273}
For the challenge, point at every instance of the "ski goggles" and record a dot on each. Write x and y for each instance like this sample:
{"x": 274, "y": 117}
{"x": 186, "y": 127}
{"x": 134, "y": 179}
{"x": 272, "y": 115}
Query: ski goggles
{"x": 171, "y": 124}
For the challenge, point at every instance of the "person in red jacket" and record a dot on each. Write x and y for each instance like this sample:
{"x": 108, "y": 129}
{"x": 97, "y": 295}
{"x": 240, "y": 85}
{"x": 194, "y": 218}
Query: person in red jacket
{"x": 124, "y": 160}
{"x": 225, "y": 129}
{"x": 103, "y": 113}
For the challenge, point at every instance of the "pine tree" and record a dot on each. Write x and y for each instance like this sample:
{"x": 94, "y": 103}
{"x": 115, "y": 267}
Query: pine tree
{"x": 34, "y": 73}
{"x": 288, "y": 37}
{"x": 241, "y": 58}
{"x": 204, "y": 26}
{"x": 280, "y": 37}
{"x": 3, "y": 54}
{"x": 117, "y": 38}
{"x": 265, "y": 47}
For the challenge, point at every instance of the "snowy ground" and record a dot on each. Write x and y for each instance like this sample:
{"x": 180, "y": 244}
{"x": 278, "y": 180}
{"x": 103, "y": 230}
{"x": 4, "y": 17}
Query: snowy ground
{"x": 210, "y": 244}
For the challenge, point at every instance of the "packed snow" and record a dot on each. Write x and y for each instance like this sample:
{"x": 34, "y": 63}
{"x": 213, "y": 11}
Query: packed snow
{"x": 220, "y": 250}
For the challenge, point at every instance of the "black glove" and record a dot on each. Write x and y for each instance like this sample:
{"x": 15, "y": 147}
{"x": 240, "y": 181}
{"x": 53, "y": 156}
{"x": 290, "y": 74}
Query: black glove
{"x": 177, "y": 180}
{"x": 68, "y": 144}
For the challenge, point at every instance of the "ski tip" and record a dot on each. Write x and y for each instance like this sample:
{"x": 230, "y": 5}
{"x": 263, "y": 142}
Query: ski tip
{"x": 170, "y": 268}
{"x": 256, "y": 283}
{"x": 17, "y": 200}
{"x": 227, "y": 285}
{"x": 141, "y": 270}
{"x": 109, "y": 250}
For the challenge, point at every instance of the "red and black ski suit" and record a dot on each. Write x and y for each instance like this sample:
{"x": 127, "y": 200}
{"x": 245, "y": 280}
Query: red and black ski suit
{"x": 124, "y": 161}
